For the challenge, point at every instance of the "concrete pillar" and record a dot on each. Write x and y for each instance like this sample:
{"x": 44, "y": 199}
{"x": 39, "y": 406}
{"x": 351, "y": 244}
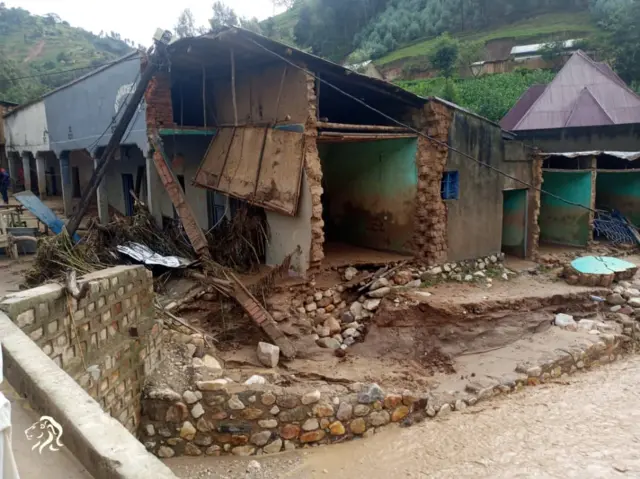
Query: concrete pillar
{"x": 41, "y": 170}
{"x": 26, "y": 170}
{"x": 101, "y": 197}
{"x": 154, "y": 189}
{"x": 13, "y": 170}
{"x": 67, "y": 187}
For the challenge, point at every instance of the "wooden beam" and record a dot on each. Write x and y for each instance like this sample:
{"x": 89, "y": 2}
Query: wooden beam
{"x": 324, "y": 125}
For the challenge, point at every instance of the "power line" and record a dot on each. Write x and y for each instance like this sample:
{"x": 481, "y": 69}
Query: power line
{"x": 419, "y": 133}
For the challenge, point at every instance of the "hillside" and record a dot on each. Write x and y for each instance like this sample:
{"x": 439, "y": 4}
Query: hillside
{"x": 36, "y": 51}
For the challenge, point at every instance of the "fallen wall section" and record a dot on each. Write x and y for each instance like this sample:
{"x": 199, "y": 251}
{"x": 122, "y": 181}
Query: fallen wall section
{"x": 108, "y": 341}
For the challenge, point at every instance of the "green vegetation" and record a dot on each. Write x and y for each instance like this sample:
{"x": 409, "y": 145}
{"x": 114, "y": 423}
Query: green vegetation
{"x": 491, "y": 96}
{"x": 565, "y": 25}
{"x": 42, "y": 48}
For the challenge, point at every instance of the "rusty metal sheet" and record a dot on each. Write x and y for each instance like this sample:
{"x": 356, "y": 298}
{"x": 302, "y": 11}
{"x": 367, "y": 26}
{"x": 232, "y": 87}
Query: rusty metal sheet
{"x": 281, "y": 171}
{"x": 262, "y": 166}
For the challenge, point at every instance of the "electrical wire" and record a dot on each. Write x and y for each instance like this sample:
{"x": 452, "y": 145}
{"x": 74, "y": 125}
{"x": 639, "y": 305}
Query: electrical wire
{"x": 419, "y": 133}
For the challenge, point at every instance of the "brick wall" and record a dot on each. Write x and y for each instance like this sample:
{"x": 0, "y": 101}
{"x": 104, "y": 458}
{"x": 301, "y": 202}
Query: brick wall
{"x": 158, "y": 99}
{"x": 108, "y": 341}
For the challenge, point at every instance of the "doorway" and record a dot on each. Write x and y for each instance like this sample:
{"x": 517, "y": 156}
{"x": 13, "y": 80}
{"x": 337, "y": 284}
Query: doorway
{"x": 127, "y": 186}
{"x": 514, "y": 222}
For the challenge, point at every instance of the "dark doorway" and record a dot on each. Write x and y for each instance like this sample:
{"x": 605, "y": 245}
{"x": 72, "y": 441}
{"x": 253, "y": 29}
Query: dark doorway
{"x": 75, "y": 182}
{"x": 514, "y": 223}
{"x": 127, "y": 186}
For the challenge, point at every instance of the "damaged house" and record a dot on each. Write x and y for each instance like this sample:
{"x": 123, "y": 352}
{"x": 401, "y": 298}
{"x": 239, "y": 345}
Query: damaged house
{"x": 311, "y": 144}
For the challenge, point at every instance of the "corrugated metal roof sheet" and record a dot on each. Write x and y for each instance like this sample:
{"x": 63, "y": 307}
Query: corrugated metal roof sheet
{"x": 564, "y": 102}
{"x": 529, "y": 97}
{"x": 623, "y": 155}
{"x": 536, "y": 47}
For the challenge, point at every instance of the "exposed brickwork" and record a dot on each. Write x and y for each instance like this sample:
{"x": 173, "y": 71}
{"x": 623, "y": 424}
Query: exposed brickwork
{"x": 313, "y": 170}
{"x": 431, "y": 212}
{"x": 158, "y": 99}
{"x": 113, "y": 326}
{"x": 534, "y": 209}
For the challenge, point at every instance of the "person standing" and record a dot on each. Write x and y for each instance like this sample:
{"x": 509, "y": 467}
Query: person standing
{"x": 5, "y": 181}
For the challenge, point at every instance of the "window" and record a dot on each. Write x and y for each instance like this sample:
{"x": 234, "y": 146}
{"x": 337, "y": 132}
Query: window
{"x": 450, "y": 186}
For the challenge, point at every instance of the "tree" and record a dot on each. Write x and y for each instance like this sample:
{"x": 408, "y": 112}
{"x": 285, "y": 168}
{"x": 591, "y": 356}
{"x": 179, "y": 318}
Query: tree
{"x": 444, "y": 55}
{"x": 186, "y": 24}
{"x": 624, "y": 41}
{"x": 470, "y": 52}
{"x": 223, "y": 16}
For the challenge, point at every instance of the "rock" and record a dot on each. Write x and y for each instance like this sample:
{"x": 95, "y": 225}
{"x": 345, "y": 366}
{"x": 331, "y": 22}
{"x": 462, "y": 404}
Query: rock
{"x": 380, "y": 283}
{"x": 243, "y": 451}
{"x": 289, "y": 446}
{"x": 345, "y": 411}
{"x": 361, "y": 410}
{"x": 493, "y": 259}
{"x": 235, "y": 403}
{"x": 261, "y": 438}
{"x": 255, "y": 379}
{"x": 479, "y": 274}
{"x": 293, "y": 415}
{"x": 356, "y": 309}
{"x": 392, "y": 401}
{"x": 632, "y": 293}
{"x": 213, "y": 451}
{"x": 328, "y": 343}
{"x": 349, "y": 333}
{"x": 164, "y": 394}
{"x": 188, "y": 431}
{"x": 379, "y": 293}
{"x": 150, "y": 430}
{"x": 505, "y": 277}
{"x": 565, "y": 321}
{"x": 318, "y": 296}
{"x": 311, "y": 425}
{"x": 190, "y": 397}
{"x": 311, "y": 398}
{"x": 211, "y": 363}
{"x": 323, "y": 331}
{"x": 251, "y": 413}
{"x": 372, "y": 304}
{"x": 379, "y": 418}
{"x": 358, "y": 426}
{"x": 197, "y": 411}
{"x": 289, "y": 431}
{"x": 370, "y": 394}
{"x": 165, "y": 452}
{"x": 177, "y": 413}
{"x": 311, "y": 307}
{"x": 313, "y": 436}
{"x": 333, "y": 325}
{"x": 323, "y": 410}
{"x": 445, "y": 410}
{"x": 191, "y": 350}
{"x": 401, "y": 278}
{"x": 416, "y": 283}
{"x": 399, "y": 414}
{"x": 634, "y": 303}
{"x": 254, "y": 469}
{"x": 615, "y": 309}
{"x": 350, "y": 273}
{"x": 268, "y": 399}
{"x": 468, "y": 278}
{"x": 268, "y": 354}
{"x": 615, "y": 299}
{"x": 337, "y": 429}
{"x": 430, "y": 411}
{"x": 587, "y": 324}
{"x": 460, "y": 405}
{"x": 192, "y": 450}
{"x": 274, "y": 447}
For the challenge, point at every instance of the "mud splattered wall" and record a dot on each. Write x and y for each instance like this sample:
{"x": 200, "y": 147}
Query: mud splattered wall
{"x": 562, "y": 223}
{"x": 369, "y": 193}
{"x": 474, "y": 220}
{"x": 620, "y": 191}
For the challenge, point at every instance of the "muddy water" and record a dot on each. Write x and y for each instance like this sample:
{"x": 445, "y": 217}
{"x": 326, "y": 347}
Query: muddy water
{"x": 589, "y": 428}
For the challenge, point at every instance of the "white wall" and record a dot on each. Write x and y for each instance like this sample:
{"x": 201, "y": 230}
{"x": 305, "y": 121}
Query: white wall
{"x": 26, "y": 129}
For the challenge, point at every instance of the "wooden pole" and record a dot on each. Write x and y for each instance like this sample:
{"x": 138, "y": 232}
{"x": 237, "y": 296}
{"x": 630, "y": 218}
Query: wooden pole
{"x": 284, "y": 75}
{"x": 233, "y": 88}
{"x": 324, "y": 125}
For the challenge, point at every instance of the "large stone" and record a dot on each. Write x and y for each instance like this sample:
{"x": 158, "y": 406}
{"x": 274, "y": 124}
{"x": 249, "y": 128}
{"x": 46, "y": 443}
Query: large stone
{"x": 188, "y": 431}
{"x": 268, "y": 399}
{"x": 243, "y": 451}
{"x": 380, "y": 283}
{"x": 251, "y": 414}
{"x": 445, "y": 410}
{"x": 323, "y": 410}
{"x": 293, "y": 415}
{"x": 350, "y": 273}
{"x": 361, "y": 410}
{"x": 261, "y": 438}
{"x": 190, "y": 397}
{"x": 287, "y": 401}
{"x": 345, "y": 411}
{"x": 235, "y": 403}
{"x": 379, "y": 293}
{"x": 192, "y": 450}
{"x": 336, "y": 428}
{"x": 213, "y": 451}
{"x": 197, "y": 411}
{"x": 311, "y": 307}
{"x": 165, "y": 452}
{"x": 400, "y": 413}
{"x": 215, "y": 385}
{"x": 566, "y": 321}
{"x": 274, "y": 447}
{"x": 616, "y": 299}
{"x": 311, "y": 425}
{"x": 379, "y": 418}
{"x": 634, "y": 303}
{"x": 268, "y": 423}
{"x": 328, "y": 343}
{"x": 311, "y": 397}
{"x": 313, "y": 436}
{"x": 371, "y": 304}
{"x": 370, "y": 393}
{"x": 402, "y": 278}
{"x": 255, "y": 379}
{"x": 268, "y": 354}
{"x": 333, "y": 325}
{"x": 164, "y": 394}
{"x": 356, "y": 309}
{"x": 177, "y": 413}
{"x": 358, "y": 426}
{"x": 392, "y": 401}
{"x": 211, "y": 363}
{"x": 290, "y": 431}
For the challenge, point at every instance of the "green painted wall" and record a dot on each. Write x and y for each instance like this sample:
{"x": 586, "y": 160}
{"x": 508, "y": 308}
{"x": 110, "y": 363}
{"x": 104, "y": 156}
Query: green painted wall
{"x": 514, "y": 218}
{"x": 369, "y": 193}
{"x": 560, "y": 222}
{"x": 620, "y": 191}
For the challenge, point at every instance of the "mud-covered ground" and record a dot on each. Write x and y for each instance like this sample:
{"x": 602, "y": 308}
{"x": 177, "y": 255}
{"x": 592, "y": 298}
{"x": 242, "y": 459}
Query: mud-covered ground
{"x": 586, "y": 427}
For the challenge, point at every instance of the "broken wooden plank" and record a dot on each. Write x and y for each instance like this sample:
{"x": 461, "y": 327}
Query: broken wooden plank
{"x": 325, "y": 125}
{"x": 174, "y": 190}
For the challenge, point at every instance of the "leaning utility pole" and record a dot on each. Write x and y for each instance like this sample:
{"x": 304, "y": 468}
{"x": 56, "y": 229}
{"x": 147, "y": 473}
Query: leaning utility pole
{"x": 151, "y": 68}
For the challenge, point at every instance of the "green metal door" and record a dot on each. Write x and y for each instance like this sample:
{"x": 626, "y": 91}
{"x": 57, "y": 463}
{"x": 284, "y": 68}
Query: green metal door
{"x": 514, "y": 223}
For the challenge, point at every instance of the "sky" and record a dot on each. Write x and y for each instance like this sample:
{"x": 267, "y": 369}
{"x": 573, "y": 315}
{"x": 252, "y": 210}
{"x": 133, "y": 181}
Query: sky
{"x": 136, "y": 20}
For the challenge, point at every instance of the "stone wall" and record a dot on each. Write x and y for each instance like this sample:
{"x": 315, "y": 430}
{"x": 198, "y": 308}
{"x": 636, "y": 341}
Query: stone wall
{"x": 107, "y": 341}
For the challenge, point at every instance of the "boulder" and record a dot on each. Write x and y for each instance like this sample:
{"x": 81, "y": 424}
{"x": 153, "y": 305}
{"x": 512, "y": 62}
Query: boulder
{"x": 268, "y": 354}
